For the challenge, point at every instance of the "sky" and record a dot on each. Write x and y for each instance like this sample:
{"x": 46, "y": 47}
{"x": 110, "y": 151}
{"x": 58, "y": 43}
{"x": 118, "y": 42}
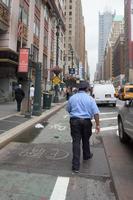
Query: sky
{"x": 91, "y": 9}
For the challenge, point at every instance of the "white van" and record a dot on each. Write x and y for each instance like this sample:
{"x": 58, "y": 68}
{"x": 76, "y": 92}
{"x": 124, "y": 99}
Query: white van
{"x": 103, "y": 93}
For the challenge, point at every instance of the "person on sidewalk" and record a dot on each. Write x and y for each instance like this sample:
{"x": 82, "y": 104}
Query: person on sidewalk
{"x": 68, "y": 92}
{"x": 82, "y": 108}
{"x": 19, "y": 95}
{"x": 32, "y": 90}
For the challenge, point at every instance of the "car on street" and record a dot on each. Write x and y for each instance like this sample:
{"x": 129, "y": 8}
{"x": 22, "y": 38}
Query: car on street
{"x": 104, "y": 93}
{"x": 126, "y": 92}
{"x": 125, "y": 121}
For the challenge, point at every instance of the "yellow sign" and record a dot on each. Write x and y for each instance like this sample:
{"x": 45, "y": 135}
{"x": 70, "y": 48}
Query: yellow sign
{"x": 56, "y": 80}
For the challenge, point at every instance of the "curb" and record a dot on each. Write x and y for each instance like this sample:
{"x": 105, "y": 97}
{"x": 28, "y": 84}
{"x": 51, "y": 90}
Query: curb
{"x": 110, "y": 169}
{"x": 9, "y": 135}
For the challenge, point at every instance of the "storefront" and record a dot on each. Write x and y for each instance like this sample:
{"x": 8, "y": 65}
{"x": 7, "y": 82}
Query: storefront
{"x": 8, "y": 73}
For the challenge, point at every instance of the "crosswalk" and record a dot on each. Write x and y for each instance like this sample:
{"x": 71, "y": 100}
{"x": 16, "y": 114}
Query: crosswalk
{"x": 104, "y": 117}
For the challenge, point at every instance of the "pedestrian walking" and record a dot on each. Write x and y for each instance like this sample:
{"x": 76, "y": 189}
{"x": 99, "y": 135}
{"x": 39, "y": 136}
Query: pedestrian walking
{"x": 68, "y": 92}
{"x": 82, "y": 108}
{"x": 19, "y": 95}
{"x": 32, "y": 90}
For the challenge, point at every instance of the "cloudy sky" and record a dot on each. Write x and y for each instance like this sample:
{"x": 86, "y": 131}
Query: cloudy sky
{"x": 91, "y": 10}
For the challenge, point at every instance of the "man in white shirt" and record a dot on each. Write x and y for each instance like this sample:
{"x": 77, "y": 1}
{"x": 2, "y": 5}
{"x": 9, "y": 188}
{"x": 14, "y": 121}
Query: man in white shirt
{"x": 32, "y": 89}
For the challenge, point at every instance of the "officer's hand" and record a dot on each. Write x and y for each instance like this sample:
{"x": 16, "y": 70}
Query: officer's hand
{"x": 97, "y": 129}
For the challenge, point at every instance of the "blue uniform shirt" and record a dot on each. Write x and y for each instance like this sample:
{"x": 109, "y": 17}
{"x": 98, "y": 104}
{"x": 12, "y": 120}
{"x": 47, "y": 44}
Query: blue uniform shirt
{"x": 82, "y": 105}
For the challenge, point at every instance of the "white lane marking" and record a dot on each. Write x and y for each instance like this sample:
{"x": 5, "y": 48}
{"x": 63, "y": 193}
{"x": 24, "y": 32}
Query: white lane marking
{"x": 106, "y": 128}
{"x": 60, "y": 189}
{"x": 108, "y": 113}
{"x": 104, "y": 119}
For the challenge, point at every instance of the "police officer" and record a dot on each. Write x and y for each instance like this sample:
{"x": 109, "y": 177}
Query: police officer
{"x": 82, "y": 108}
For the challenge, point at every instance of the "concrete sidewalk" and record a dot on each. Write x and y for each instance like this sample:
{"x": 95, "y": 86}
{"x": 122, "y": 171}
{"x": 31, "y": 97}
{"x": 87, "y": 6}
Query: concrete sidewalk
{"x": 12, "y": 123}
{"x": 7, "y": 109}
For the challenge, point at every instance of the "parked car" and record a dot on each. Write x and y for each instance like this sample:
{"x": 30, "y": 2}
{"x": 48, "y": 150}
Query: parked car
{"x": 125, "y": 121}
{"x": 104, "y": 93}
{"x": 126, "y": 92}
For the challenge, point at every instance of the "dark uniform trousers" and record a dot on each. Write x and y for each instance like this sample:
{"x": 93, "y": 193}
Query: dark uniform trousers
{"x": 80, "y": 129}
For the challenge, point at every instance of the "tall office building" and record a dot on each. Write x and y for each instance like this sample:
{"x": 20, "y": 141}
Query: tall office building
{"x": 74, "y": 35}
{"x": 117, "y": 28}
{"x": 105, "y": 23}
{"x": 128, "y": 29}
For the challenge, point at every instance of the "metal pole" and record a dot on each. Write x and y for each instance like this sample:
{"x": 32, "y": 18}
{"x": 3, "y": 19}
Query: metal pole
{"x": 72, "y": 58}
{"x": 57, "y": 44}
{"x": 56, "y": 97}
{"x": 37, "y": 96}
{"x": 28, "y": 113}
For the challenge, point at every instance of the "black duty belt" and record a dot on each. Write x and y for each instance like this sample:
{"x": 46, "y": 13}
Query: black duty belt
{"x": 77, "y": 118}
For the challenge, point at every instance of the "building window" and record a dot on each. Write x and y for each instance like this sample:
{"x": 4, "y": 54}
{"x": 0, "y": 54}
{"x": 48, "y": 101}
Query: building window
{"x": 6, "y": 2}
{"x": 45, "y": 38}
{"x": 45, "y": 62}
{"x": 35, "y": 54}
{"x": 70, "y": 13}
{"x": 46, "y": 13}
{"x": 69, "y": 39}
{"x": 61, "y": 57}
{"x": 25, "y": 18}
{"x": 70, "y": 19}
{"x": 37, "y": 2}
{"x": 36, "y": 27}
{"x": 23, "y": 15}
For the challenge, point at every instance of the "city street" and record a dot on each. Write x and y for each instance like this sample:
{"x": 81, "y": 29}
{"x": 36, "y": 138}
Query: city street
{"x": 49, "y": 51}
{"x": 39, "y": 161}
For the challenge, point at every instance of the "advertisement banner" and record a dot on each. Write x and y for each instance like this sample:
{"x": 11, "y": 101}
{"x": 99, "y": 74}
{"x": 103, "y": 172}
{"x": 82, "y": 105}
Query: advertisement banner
{"x": 23, "y": 60}
{"x": 131, "y": 20}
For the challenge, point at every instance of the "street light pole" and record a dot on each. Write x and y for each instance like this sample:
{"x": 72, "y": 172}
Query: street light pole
{"x": 57, "y": 44}
{"x": 56, "y": 97}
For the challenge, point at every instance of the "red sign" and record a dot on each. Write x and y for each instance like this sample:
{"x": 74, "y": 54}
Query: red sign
{"x": 23, "y": 60}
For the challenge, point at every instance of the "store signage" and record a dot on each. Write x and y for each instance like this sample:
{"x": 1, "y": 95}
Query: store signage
{"x": 23, "y": 60}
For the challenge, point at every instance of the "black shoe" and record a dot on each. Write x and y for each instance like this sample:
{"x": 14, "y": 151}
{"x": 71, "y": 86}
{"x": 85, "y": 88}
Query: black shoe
{"x": 75, "y": 170}
{"x": 89, "y": 157}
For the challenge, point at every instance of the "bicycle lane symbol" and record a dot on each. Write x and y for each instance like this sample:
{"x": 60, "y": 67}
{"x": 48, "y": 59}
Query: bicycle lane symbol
{"x": 56, "y": 154}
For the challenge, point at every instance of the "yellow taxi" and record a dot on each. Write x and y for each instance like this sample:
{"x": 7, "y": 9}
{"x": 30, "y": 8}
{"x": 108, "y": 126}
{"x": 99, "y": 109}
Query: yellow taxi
{"x": 116, "y": 93}
{"x": 126, "y": 92}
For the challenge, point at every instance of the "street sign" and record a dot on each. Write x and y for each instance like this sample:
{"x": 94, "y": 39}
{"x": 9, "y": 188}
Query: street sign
{"x": 56, "y": 80}
{"x": 72, "y": 70}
